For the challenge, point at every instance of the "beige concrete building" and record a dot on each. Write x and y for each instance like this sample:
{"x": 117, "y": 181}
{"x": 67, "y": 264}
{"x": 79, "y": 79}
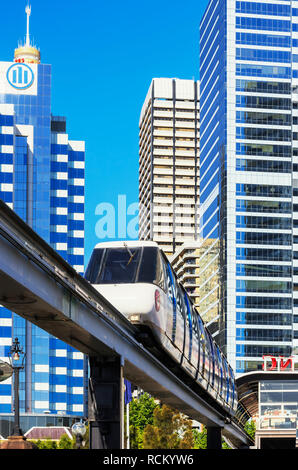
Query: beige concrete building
{"x": 169, "y": 163}
{"x": 197, "y": 266}
{"x": 210, "y": 284}
{"x": 185, "y": 262}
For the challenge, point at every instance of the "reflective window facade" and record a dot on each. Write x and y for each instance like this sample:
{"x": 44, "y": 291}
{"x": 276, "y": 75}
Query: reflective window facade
{"x": 248, "y": 175}
{"x": 42, "y": 178}
{"x": 278, "y": 404}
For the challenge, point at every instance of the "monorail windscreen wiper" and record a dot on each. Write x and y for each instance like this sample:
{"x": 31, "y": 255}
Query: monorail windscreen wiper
{"x": 130, "y": 254}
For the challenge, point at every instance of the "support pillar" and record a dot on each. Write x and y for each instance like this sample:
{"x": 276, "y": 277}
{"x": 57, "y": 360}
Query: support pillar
{"x": 214, "y": 439}
{"x": 106, "y": 403}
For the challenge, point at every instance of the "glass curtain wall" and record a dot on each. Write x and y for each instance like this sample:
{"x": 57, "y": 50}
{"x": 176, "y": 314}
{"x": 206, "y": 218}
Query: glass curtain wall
{"x": 248, "y": 148}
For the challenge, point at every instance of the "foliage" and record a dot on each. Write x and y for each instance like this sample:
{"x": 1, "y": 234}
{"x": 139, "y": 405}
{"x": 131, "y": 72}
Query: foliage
{"x": 140, "y": 414}
{"x": 250, "y": 428}
{"x": 200, "y": 438}
{"x": 86, "y": 437}
{"x": 46, "y": 444}
{"x": 170, "y": 430}
{"x": 65, "y": 442}
{"x": 225, "y": 445}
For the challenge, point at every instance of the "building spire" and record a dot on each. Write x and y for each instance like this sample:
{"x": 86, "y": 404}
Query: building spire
{"x": 27, "y": 53}
{"x": 28, "y": 13}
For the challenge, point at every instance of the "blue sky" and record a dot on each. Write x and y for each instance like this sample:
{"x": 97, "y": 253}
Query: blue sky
{"x": 103, "y": 56}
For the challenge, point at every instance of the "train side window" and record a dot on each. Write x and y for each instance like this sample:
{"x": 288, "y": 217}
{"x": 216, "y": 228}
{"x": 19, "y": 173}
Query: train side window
{"x": 212, "y": 357}
{"x": 202, "y": 343}
{"x": 160, "y": 273}
{"x": 227, "y": 391}
{"x": 232, "y": 385}
{"x": 148, "y": 271}
{"x": 220, "y": 370}
{"x": 180, "y": 302}
{"x": 164, "y": 268}
{"x": 188, "y": 312}
{"x": 171, "y": 284}
{"x": 195, "y": 323}
{"x": 184, "y": 304}
{"x": 202, "y": 333}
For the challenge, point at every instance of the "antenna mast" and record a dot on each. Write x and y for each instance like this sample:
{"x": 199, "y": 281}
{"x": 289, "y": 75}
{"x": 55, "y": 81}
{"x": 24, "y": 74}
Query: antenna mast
{"x": 27, "y": 53}
{"x": 28, "y": 13}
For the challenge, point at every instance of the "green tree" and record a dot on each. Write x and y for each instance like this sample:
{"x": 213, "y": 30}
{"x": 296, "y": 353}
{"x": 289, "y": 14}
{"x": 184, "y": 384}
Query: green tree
{"x": 170, "y": 430}
{"x": 200, "y": 438}
{"x": 86, "y": 437}
{"x": 250, "y": 428}
{"x": 140, "y": 414}
{"x": 46, "y": 444}
{"x": 65, "y": 442}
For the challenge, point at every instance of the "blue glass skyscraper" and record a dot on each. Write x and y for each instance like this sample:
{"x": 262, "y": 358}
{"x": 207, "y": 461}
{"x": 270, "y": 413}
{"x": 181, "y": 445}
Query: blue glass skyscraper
{"x": 248, "y": 177}
{"x": 42, "y": 178}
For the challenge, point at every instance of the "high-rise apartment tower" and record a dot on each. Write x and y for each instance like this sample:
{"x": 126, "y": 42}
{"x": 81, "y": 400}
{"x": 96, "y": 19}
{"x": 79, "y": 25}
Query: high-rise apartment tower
{"x": 169, "y": 163}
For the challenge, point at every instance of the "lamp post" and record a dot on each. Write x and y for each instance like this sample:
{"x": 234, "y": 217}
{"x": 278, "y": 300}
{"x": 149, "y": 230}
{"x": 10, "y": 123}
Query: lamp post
{"x": 16, "y": 440}
{"x": 79, "y": 430}
{"x": 17, "y": 358}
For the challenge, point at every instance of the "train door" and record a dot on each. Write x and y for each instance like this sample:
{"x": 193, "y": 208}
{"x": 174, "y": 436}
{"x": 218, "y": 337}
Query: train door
{"x": 189, "y": 330}
{"x": 180, "y": 319}
{"x": 186, "y": 336}
{"x": 202, "y": 348}
{"x": 226, "y": 381}
{"x": 232, "y": 387}
{"x": 175, "y": 320}
{"x": 195, "y": 351}
{"x": 212, "y": 361}
{"x": 172, "y": 313}
{"x": 216, "y": 369}
{"x": 220, "y": 366}
{"x": 208, "y": 360}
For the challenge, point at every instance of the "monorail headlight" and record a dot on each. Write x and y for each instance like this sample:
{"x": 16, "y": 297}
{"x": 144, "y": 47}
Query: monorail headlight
{"x": 134, "y": 317}
{"x": 157, "y": 300}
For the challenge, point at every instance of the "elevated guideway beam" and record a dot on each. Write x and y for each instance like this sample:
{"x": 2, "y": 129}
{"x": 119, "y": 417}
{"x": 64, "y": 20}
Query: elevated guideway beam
{"x": 37, "y": 284}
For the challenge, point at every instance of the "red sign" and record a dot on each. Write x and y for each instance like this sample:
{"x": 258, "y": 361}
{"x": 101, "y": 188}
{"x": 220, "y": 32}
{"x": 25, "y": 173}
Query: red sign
{"x": 280, "y": 363}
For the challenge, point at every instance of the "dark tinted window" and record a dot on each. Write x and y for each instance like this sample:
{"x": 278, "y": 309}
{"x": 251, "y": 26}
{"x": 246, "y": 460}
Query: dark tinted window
{"x": 94, "y": 265}
{"x": 119, "y": 266}
{"x": 125, "y": 265}
{"x": 150, "y": 266}
{"x": 58, "y": 126}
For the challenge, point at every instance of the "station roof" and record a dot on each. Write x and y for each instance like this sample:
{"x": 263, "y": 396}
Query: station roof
{"x": 248, "y": 386}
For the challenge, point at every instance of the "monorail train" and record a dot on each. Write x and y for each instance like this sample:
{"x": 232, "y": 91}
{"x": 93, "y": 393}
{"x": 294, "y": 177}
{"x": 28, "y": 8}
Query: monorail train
{"x": 137, "y": 278}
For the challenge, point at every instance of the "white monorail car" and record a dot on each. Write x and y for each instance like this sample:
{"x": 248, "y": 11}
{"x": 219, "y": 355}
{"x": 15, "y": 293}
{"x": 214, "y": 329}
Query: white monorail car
{"x": 137, "y": 278}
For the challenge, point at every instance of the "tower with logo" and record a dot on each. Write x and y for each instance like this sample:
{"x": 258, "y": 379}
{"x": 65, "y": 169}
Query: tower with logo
{"x": 42, "y": 179}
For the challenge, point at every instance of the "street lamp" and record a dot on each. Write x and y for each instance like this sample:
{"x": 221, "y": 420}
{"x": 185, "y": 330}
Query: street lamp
{"x": 17, "y": 358}
{"x": 79, "y": 430}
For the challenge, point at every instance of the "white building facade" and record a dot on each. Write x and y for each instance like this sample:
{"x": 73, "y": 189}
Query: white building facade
{"x": 169, "y": 163}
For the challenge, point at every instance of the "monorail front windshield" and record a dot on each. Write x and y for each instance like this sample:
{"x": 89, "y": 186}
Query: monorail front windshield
{"x": 123, "y": 265}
